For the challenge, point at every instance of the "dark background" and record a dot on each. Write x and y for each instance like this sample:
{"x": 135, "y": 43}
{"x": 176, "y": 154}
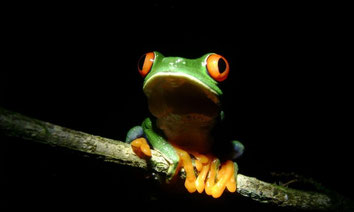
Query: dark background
{"x": 287, "y": 96}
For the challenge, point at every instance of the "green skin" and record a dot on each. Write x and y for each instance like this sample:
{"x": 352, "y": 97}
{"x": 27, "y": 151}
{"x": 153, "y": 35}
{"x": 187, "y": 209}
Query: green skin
{"x": 184, "y": 101}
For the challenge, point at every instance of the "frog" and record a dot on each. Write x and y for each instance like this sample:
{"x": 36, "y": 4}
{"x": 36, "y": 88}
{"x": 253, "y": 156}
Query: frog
{"x": 183, "y": 96}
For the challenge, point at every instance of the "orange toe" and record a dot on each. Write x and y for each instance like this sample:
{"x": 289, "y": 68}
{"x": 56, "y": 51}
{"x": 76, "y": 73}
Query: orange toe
{"x": 200, "y": 182}
{"x": 141, "y": 147}
{"x": 224, "y": 175}
{"x": 188, "y": 168}
{"x": 211, "y": 176}
{"x": 231, "y": 184}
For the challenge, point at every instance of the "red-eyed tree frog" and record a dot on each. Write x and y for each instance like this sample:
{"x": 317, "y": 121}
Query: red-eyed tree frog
{"x": 184, "y": 99}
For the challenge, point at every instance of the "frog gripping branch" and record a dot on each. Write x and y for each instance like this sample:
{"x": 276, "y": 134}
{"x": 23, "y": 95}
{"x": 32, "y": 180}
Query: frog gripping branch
{"x": 169, "y": 132}
{"x": 183, "y": 97}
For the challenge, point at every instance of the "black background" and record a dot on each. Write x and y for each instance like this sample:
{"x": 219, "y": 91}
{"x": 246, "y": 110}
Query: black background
{"x": 287, "y": 96}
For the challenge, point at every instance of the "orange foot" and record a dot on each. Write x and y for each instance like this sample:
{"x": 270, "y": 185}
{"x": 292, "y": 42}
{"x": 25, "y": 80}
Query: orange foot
{"x": 208, "y": 177}
{"x": 141, "y": 148}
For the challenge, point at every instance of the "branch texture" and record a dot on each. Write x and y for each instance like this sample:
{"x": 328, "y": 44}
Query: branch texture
{"x": 17, "y": 125}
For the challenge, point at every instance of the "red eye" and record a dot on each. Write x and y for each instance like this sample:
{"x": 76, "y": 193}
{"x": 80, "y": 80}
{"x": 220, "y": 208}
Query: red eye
{"x": 218, "y": 67}
{"x": 145, "y": 63}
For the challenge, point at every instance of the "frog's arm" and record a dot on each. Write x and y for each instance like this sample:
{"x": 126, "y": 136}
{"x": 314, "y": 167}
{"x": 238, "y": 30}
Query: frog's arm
{"x": 159, "y": 143}
{"x": 138, "y": 135}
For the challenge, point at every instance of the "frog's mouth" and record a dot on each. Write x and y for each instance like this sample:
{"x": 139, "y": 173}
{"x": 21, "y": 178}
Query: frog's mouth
{"x": 180, "y": 94}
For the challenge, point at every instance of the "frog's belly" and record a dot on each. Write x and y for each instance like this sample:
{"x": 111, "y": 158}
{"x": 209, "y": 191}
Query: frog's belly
{"x": 189, "y": 131}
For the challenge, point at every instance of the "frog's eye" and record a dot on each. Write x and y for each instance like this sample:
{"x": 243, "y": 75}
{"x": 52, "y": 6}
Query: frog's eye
{"x": 218, "y": 67}
{"x": 145, "y": 63}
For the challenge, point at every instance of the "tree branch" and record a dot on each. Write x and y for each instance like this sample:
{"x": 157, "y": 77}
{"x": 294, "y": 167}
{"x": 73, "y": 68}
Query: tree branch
{"x": 17, "y": 125}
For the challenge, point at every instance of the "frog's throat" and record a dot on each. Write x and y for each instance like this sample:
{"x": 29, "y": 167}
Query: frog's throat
{"x": 210, "y": 93}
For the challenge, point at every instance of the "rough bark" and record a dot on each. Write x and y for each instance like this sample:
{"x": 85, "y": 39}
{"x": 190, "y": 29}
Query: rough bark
{"x": 17, "y": 125}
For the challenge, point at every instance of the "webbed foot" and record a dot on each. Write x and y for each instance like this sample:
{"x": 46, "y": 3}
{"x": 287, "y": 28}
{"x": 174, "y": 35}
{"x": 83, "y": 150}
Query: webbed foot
{"x": 141, "y": 147}
{"x": 209, "y": 176}
{"x": 220, "y": 179}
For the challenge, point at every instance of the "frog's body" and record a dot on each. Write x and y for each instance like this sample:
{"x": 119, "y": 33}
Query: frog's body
{"x": 183, "y": 97}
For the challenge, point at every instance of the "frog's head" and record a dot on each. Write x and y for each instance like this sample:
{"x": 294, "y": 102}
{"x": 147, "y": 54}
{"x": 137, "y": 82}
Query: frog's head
{"x": 183, "y": 86}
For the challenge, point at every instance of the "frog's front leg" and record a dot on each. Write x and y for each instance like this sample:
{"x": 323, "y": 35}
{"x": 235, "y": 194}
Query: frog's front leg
{"x": 138, "y": 137}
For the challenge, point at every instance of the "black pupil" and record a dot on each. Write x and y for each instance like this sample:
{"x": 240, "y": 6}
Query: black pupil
{"x": 141, "y": 62}
{"x": 221, "y": 65}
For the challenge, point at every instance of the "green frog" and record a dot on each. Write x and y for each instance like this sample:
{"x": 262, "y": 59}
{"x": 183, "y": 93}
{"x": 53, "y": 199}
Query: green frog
{"x": 184, "y": 99}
